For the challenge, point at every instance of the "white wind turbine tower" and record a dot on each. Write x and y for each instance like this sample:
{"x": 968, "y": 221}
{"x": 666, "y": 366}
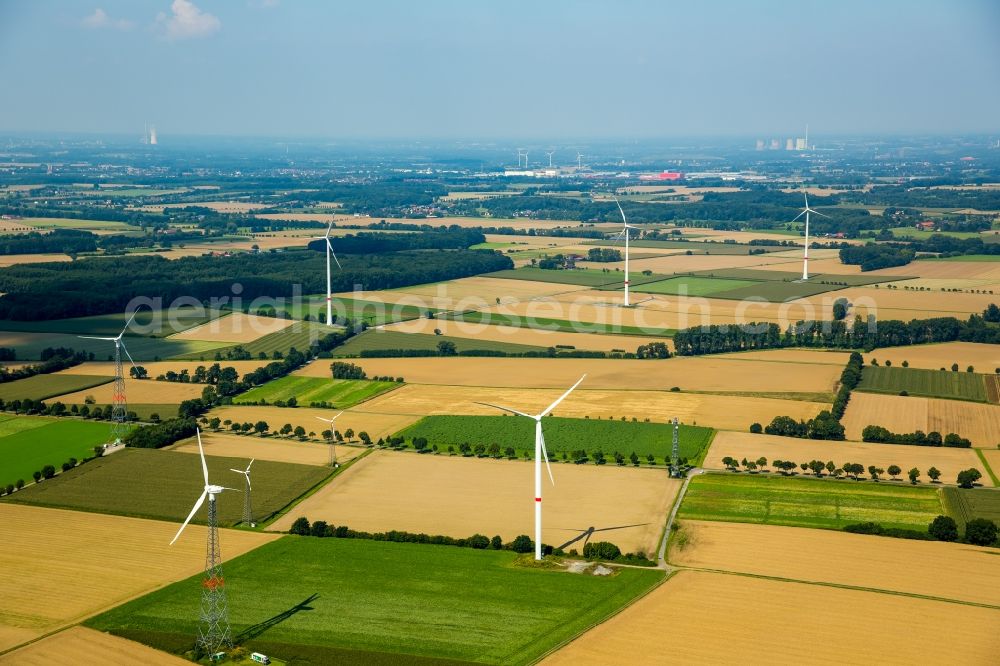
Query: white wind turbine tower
{"x": 247, "y": 508}
{"x": 579, "y": 160}
{"x": 624, "y": 232}
{"x": 329, "y": 293}
{"x": 214, "y": 630}
{"x": 550, "y": 154}
{"x": 519, "y": 155}
{"x": 119, "y": 406}
{"x": 805, "y": 257}
{"x": 333, "y": 450}
{"x": 540, "y": 452}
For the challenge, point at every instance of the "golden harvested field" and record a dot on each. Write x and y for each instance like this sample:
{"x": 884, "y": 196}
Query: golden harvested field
{"x": 478, "y": 291}
{"x": 15, "y": 226}
{"x": 377, "y": 424}
{"x": 993, "y": 458}
{"x": 460, "y": 497}
{"x": 273, "y": 448}
{"x": 812, "y": 356}
{"x": 156, "y": 368}
{"x": 737, "y": 619}
{"x": 532, "y": 242}
{"x": 978, "y": 422}
{"x": 17, "y": 259}
{"x": 695, "y": 373}
{"x": 86, "y": 647}
{"x": 969, "y": 270}
{"x": 906, "y": 305}
{"x": 741, "y": 445}
{"x": 524, "y": 336}
{"x": 984, "y": 358}
{"x": 60, "y": 567}
{"x": 464, "y": 222}
{"x": 218, "y": 206}
{"x": 931, "y": 568}
{"x": 719, "y": 411}
{"x": 139, "y": 392}
{"x": 235, "y": 327}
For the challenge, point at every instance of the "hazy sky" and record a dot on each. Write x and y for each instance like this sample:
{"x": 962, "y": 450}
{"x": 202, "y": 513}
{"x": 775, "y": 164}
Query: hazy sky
{"x": 505, "y": 68}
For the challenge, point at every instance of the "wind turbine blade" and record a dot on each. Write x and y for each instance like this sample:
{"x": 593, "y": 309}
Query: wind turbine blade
{"x": 816, "y": 212}
{"x": 798, "y": 216}
{"x": 545, "y": 454}
{"x": 324, "y": 420}
{"x": 336, "y": 417}
{"x": 233, "y": 489}
{"x": 201, "y": 450}
{"x": 134, "y": 312}
{"x": 506, "y": 409}
{"x": 197, "y": 505}
{"x": 805, "y": 195}
{"x": 122, "y": 343}
{"x": 91, "y": 337}
{"x": 333, "y": 254}
{"x": 251, "y": 462}
{"x": 329, "y": 229}
{"x": 562, "y": 397}
{"x": 624, "y": 221}
{"x": 238, "y": 471}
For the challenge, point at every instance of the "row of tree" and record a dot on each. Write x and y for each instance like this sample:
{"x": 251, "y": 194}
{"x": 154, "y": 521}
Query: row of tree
{"x": 865, "y": 334}
{"x": 965, "y": 479}
{"x": 875, "y": 433}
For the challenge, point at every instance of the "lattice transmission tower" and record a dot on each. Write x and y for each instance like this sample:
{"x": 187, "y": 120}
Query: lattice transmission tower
{"x": 214, "y": 631}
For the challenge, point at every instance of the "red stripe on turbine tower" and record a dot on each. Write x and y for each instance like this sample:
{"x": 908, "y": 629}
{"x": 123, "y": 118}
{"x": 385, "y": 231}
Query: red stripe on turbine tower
{"x": 538, "y": 499}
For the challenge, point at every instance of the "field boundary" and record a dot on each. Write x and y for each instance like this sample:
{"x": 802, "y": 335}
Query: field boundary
{"x": 666, "y": 577}
{"x": 989, "y": 470}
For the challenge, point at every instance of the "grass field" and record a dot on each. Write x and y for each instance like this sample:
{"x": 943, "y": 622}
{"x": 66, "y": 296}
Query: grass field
{"x": 29, "y": 346}
{"x": 147, "y": 323}
{"x": 562, "y": 435}
{"x": 695, "y": 247}
{"x": 563, "y": 325}
{"x": 374, "y": 313}
{"x": 55, "y": 566}
{"x": 457, "y": 496}
{"x": 42, "y": 387}
{"x": 384, "y": 339}
{"x": 964, "y": 505}
{"x": 278, "y": 449}
{"x": 799, "y": 502}
{"x": 693, "y": 286}
{"x": 932, "y": 568}
{"x": 928, "y": 383}
{"x": 579, "y": 276}
{"x": 163, "y": 485}
{"x": 345, "y": 601}
{"x": 28, "y": 443}
{"x": 718, "y": 615}
{"x": 342, "y": 393}
{"x": 67, "y": 223}
{"x": 758, "y": 274}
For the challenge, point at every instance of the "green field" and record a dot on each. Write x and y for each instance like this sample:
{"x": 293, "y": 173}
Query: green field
{"x": 29, "y": 346}
{"x": 964, "y": 505}
{"x": 43, "y": 387}
{"x": 930, "y": 383}
{"x": 965, "y": 257}
{"x": 912, "y": 232}
{"x": 693, "y": 286}
{"x": 67, "y": 223}
{"x": 164, "y": 485}
{"x": 561, "y": 325}
{"x": 28, "y": 443}
{"x": 792, "y": 276}
{"x": 374, "y": 313}
{"x": 338, "y": 601}
{"x": 695, "y": 247}
{"x": 159, "y": 323}
{"x": 563, "y": 434}
{"x": 342, "y": 393}
{"x": 382, "y": 339}
{"x": 803, "y": 502}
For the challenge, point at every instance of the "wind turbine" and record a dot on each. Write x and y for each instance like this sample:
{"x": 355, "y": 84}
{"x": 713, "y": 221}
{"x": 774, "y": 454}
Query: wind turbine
{"x": 119, "y": 406}
{"x": 540, "y": 451}
{"x": 624, "y": 232}
{"x": 247, "y": 508}
{"x": 550, "y": 154}
{"x": 329, "y": 294}
{"x": 519, "y": 151}
{"x": 214, "y": 630}
{"x": 579, "y": 160}
{"x": 333, "y": 450}
{"x": 805, "y": 258}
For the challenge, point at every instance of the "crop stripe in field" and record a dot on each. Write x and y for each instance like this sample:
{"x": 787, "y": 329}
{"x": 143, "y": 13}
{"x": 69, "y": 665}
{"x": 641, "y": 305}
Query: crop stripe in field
{"x": 989, "y": 470}
{"x": 845, "y": 586}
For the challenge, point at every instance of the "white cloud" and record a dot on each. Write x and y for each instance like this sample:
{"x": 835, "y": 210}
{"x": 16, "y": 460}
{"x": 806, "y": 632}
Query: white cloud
{"x": 100, "y": 19}
{"x": 186, "y": 21}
